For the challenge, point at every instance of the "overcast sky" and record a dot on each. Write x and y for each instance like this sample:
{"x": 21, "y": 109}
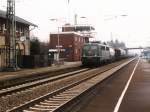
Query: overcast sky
{"x": 104, "y": 15}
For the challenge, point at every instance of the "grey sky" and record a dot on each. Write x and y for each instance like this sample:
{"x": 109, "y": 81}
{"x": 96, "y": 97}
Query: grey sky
{"x": 133, "y": 29}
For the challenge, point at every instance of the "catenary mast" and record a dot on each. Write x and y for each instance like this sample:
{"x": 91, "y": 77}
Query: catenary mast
{"x": 11, "y": 58}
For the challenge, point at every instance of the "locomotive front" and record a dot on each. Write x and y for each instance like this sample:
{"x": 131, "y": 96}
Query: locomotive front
{"x": 90, "y": 54}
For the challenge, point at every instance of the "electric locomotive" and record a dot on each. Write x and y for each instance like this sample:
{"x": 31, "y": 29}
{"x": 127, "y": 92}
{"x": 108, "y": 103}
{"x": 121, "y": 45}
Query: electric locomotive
{"x": 96, "y": 54}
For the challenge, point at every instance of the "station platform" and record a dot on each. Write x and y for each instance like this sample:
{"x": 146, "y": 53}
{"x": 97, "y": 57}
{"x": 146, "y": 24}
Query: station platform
{"x": 4, "y": 76}
{"x": 136, "y": 97}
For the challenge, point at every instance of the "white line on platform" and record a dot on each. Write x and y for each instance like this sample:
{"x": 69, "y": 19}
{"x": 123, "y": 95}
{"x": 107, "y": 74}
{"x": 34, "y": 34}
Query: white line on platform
{"x": 116, "y": 109}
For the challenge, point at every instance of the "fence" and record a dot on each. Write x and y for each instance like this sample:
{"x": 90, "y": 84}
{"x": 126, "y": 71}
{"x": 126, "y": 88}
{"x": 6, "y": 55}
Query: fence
{"x": 4, "y": 54}
{"x": 35, "y": 61}
{"x": 22, "y": 61}
{"x": 5, "y": 57}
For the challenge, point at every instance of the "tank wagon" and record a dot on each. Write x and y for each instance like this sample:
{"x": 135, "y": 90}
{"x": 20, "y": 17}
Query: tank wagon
{"x": 97, "y": 54}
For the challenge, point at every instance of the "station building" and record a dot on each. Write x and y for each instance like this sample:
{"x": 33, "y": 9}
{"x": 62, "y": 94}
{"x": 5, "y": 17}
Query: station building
{"x": 22, "y": 37}
{"x": 69, "y": 41}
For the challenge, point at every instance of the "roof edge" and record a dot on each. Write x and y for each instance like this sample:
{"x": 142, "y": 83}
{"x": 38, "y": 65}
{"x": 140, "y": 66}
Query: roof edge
{"x": 18, "y": 19}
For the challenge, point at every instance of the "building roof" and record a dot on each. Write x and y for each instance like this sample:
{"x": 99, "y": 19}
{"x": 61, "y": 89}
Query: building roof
{"x": 56, "y": 33}
{"x": 18, "y": 19}
{"x": 81, "y": 27}
{"x": 84, "y": 27}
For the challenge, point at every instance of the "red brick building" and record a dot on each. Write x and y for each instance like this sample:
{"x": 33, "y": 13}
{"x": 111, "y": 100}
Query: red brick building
{"x": 70, "y": 41}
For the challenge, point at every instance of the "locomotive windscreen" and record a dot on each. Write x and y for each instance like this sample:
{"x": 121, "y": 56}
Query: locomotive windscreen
{"x": 90, "y": 50}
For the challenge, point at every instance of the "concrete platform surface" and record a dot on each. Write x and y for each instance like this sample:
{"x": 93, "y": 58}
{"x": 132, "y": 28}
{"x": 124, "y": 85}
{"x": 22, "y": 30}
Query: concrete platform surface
{"x": 27, "y": 72}
{"x": 136, "y": 98}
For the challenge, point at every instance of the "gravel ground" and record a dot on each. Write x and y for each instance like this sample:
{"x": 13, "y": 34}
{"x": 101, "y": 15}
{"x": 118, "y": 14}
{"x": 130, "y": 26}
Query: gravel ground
{"x": 10, "y": 101}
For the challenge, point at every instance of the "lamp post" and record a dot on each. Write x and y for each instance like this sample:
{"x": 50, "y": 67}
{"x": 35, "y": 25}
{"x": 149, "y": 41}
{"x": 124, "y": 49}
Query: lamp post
{"x": 58, "y": 42}
{"x": 58, "y": 46}
{"x": 114, "y": 17}
{"x": 76, "y": 19}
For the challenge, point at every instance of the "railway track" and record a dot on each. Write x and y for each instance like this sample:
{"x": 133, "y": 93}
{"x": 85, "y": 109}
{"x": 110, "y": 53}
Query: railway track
{"x": 56, "y": 100}
{"x": 24, "y": 86}
{"x": 32, "y": 76}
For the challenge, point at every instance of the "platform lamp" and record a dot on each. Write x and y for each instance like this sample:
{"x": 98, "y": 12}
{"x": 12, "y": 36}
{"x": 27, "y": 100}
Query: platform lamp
{"x": 114, "y": 17}
{"x": 58, "y": 41}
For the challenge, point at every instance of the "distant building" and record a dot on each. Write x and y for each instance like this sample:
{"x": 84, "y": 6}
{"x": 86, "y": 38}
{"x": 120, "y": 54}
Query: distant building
{"x": 146, "y": 53}
{"x": 22, "y": 36}
{"x": 71, "y": 40}
{"x": 84, "y": 30}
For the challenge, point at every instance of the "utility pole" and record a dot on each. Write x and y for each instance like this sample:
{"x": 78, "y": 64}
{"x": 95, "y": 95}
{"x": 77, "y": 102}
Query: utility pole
{"x": 11, "y": 57}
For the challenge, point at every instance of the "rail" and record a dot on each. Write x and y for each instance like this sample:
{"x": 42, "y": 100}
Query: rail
{"x": 73, "y": 90}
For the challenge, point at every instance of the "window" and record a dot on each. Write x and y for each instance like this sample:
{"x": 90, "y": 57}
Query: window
{"x": 80, "y": 39}
{"x": 76, "y": 39}
{"x": 90, "y": 47}
{"x": 76, "y": 51}
{"x": 1, "y": 26}
{"x": 107, "y": 48}
{"x": 102, "y": 47}
{"x": 86, "y": 47}
{"x": 94, "y": 47}
{"x": 17, "y": 28}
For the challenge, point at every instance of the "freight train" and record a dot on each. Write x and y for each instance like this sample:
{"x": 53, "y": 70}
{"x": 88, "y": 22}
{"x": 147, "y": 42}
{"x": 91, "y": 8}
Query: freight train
{"x": 97, "y": 54}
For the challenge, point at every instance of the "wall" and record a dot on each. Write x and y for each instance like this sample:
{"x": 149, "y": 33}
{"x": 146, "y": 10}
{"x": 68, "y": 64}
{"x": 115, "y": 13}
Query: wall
{"x": 21, "y": 30}
{"x": 71, "y": 43}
